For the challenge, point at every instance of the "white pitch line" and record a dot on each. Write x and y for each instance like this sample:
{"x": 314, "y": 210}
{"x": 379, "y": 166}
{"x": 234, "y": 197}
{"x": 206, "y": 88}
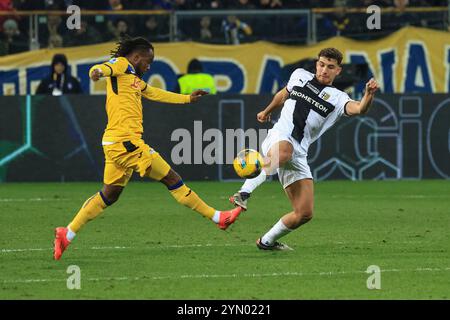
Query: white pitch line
{"x": 24, "y": 250}
{"x": 105, "y": 248}
{"x": 410, "y": 196}
{"x": 205, "y": 245}
{"x": 31, "y": 199}
{"x": 233, "y": 275}
{"x": 400, "y": 196}
{"x": 176, "y": 246}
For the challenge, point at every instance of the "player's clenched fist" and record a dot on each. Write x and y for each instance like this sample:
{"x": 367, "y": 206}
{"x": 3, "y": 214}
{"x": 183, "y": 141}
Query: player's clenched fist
{"x": 96, "y": 74}
{"x": 263, "y": 117}
{"x": 197, "y": 94}
{"x": 371, "y": 86}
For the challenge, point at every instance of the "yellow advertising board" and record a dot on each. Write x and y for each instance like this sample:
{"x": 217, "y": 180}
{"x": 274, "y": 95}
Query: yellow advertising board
{"x": 410, "y": 60}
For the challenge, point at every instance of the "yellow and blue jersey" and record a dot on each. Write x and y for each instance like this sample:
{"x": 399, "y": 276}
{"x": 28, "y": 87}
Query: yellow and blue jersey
{"x": 124, "y": 91}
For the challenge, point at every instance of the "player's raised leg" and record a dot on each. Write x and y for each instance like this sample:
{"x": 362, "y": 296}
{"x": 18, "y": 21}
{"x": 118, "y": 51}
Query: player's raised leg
{"x": 279, "y": 154}
{"x": 161, "y": 171}
{"x": 301, "y": 195}
{"x": 187, "y": 197}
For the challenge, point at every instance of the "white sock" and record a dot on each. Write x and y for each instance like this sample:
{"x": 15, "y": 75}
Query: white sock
{"x": 278, "y": 230}
{"x": 216, "y": 217}
{"x": 70, "y": 234}
{"x": 251, "y": 184}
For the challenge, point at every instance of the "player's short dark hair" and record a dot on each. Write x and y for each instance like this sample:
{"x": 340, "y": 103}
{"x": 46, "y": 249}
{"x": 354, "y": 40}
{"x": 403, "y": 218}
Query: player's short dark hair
{"x": 127, "y": 45}
{"x": 331, "y": 53}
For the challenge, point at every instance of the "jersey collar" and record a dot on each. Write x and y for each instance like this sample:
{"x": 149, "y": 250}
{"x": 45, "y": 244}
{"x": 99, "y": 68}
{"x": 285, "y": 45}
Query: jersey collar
{"x": 316, "y": 82}
{"x": 130, "y": 69}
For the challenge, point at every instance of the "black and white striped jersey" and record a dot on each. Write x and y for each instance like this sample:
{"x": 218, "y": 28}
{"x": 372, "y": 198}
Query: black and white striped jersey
{"x": 312, "y": 108}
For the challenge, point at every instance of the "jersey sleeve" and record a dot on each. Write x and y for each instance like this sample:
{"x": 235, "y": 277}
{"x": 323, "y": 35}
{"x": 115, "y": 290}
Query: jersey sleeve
{"x": 156, "y": 94}
{"x": 293, "y": 80}
{"x": 342, "y": 101}
{"x": 113, "y": 67}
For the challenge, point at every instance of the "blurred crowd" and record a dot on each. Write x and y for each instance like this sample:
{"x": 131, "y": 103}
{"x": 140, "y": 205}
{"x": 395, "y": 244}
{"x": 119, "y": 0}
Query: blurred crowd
{"x": 230, "y": 29}
{"x": 206, "y": 4}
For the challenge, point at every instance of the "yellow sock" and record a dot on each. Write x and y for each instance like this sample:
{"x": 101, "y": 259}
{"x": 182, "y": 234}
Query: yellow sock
{"x": 90, "y": 209}
{"x": 190, "y": 199}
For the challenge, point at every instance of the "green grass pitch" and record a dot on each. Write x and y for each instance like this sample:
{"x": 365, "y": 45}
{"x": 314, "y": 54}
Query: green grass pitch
{"x": 147, "y": 246}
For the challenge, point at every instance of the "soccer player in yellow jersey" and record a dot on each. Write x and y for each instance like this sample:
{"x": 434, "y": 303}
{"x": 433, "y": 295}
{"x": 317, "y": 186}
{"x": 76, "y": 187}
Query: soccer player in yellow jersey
{"x": 124, "y": 149}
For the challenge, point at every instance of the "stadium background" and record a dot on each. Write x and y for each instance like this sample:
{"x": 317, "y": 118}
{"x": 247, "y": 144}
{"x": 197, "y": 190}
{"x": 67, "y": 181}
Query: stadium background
{"x": 400, "y": 225}
{"x": 403, "y": 137}
{"x": 413, "y": 61}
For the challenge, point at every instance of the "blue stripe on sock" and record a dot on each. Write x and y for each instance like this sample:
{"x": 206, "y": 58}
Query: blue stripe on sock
{"x": 104, "y": 199}
{"x": 176, "y": 185}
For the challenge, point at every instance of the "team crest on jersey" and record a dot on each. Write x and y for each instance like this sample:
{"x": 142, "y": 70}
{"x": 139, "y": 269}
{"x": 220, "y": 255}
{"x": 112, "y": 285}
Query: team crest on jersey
{"x": 325, "y": 96}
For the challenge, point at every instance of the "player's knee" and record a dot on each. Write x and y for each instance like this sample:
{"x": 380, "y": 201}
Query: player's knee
{"x": 281, "y": 153}
{"x": 111, "y": 194}
{"x": 171, "y": 179}
{"x": 110, "y": 198}
{"x": 284, "y": 157}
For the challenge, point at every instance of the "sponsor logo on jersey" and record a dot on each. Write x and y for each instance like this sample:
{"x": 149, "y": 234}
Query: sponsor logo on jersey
{"x": 136, "y": 83}
{"x": 312, "y": 88}
{"x": 303, "y": 95}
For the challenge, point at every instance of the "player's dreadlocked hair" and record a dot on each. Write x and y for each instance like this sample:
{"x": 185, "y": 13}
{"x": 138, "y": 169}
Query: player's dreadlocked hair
{"x": 126, "y": 45}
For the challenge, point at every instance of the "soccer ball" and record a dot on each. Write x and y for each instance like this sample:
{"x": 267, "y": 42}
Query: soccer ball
{"x": 248, "y": 163}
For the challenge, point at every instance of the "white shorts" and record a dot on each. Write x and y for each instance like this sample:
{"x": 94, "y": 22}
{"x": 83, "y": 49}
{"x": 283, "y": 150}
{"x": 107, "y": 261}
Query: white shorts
{"x": 297, "y": 168}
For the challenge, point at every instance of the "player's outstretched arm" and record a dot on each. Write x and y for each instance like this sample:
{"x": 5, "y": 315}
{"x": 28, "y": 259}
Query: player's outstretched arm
{"x": 156, "y": 94}
{"x": 277, "y": 102}
{"x": 113, "y": 67}
{"x": 362, "y": 107}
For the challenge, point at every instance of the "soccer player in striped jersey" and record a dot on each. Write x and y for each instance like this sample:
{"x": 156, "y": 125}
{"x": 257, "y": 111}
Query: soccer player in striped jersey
{"x": 311, "y": 105}
{"x": 125, "y": 151}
